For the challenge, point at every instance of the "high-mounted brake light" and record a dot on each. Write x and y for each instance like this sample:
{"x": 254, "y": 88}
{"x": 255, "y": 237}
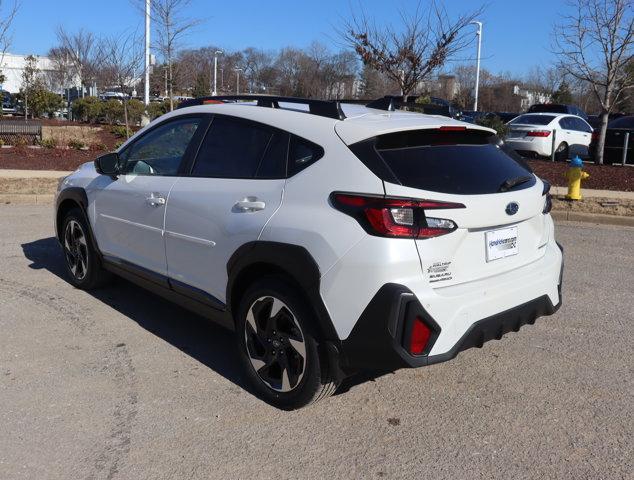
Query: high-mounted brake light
{"x": 215, "y": 102}
{"x": 396, "y": 217}
{"x": 452, "y": 128}
{"x": 538, "y": 133}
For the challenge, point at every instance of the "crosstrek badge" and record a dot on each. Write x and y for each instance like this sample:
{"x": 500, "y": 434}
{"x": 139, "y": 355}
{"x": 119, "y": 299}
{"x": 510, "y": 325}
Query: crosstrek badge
{"x": 439, "y": 272}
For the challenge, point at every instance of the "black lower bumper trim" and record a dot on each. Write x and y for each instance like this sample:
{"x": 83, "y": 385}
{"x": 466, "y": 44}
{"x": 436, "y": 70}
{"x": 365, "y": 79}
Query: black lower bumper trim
{"x": 376, "y": 342}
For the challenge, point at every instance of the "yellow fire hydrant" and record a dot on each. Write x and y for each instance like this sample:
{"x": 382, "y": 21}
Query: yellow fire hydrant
{"x": 574, "y": 175}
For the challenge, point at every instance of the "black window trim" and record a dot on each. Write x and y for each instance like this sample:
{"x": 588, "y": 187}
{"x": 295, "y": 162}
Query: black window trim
{"x": 193, "y": 146}
{"x": 189, "y": 167}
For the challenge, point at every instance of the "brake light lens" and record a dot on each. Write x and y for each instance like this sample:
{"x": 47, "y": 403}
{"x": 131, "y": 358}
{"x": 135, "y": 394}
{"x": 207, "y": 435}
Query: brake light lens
{"x": 419, "y": 337}
{"x": 595, "y": 136}
{"x": 538, "y": 133}
{"x": 396, "y": 217}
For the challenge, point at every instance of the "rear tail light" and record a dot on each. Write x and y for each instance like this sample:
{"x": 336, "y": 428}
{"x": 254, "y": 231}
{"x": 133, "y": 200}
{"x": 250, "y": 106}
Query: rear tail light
{"x": 419, "y": 337}
{"x": 548, "y": 199}
{"x": 396, "y": 217}
{"x": 595, "y": 136}
{"x": 538, "y": 133}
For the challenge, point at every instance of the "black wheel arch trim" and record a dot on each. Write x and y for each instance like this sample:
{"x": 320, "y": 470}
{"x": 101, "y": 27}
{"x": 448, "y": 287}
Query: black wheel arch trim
{"x": 292, "y": 260}
{"x": 78, "y": 196}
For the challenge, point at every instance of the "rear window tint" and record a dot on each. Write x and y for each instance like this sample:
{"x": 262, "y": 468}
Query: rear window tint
{"x": 302, "y": 154}
{"x": 533, "y": 120}
{"x": 468, "y": 163}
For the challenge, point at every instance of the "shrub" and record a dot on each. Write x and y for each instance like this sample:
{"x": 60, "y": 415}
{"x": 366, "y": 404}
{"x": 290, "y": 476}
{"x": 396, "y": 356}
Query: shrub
{"x": 87, "y": 109}
{"x": 42, "y": 102}
{"x": 118, "y": 144}
{"x": 76, "y": 144}
{"x": 112, "y": 111}
{"x": 495, "y": 123}
{"x": 156, "y": 109}
{"x": 48, "y": 143}
{"x": 136, "y": 110}
{"x": 21, "y": 141}
{"x": 119, "y": 131}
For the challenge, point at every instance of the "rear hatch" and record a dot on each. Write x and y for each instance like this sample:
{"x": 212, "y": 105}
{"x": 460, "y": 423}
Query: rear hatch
{"x": 499, "y": 221}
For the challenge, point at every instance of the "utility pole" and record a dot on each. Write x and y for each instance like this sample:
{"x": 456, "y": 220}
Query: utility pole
{"x": 215, "y": 91}
{"x": 238, "y": 70}
{"x": 146, "y": 93}
{"x": 477, "y": 82}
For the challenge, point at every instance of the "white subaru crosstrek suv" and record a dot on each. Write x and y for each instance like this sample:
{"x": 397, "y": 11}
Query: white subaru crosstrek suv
{"x": 330, "y": 244}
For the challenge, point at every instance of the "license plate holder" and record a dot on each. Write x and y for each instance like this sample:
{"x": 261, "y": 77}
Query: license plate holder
{"x": 501, "y": 243}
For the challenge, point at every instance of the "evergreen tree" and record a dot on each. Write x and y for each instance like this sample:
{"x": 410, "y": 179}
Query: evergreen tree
{"x": 563, "y": 94}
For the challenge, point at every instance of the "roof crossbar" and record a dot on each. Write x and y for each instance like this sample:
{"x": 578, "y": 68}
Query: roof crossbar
{"x": 323, "y": 108}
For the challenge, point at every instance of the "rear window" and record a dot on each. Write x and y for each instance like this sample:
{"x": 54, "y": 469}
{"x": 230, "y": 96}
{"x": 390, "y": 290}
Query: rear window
{"x": 549, "y": 108}
{"x": 461, "y": 162}
{"x": 623, "y": 122}
{"x": 533, "y": 120}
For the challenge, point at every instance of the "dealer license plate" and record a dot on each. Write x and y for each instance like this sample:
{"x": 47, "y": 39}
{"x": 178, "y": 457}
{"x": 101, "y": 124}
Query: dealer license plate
{"x": 501, "y": 243}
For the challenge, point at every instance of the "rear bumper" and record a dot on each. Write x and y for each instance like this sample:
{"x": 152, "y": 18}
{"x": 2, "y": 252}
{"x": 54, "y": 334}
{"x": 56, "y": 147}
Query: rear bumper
{"x": 537, "y": 145}
{"x": 378, "y": 339}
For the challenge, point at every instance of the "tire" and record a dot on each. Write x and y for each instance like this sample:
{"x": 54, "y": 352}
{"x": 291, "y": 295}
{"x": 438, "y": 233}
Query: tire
{"x": 278, "y": 346}
{"x": 562, "y": 152}
{"x": 80, "y": 258}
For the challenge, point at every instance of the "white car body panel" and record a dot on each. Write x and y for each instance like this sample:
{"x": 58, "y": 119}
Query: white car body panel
{"x": 191, "y": 237}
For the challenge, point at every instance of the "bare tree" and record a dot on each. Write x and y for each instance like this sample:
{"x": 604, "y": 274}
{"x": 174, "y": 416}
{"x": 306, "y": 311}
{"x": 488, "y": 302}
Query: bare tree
{"x": 171, "y": 27}
{"x": 6, "y": 20}
{"x": 122, "y": 60}
{"x": 80, "y": 50}
{"x": 595, "y": 44}
{"x": 409, "y": 54}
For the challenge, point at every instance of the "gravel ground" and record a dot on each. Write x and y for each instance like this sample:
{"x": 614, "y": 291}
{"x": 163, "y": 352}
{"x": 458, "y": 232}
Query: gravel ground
{"x": 120, "y": 384}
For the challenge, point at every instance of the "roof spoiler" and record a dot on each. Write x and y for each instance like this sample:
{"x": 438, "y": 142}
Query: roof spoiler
{"x": 322, "y": 108}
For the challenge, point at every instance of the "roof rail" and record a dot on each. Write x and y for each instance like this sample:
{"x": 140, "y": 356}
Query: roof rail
{"x": 323, "y": 108}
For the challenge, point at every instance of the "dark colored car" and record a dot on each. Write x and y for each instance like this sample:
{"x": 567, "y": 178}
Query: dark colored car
{"x": 506, "y": 117}
{"x": 595, "y": 120}
{"x": 8, "y": 103}
{"x": 557, "y": 108}
{"x": 615, "y": 141}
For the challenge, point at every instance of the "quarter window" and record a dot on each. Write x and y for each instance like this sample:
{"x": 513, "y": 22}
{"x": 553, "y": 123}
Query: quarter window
{"x": 161, "y": 150}
{"x": 302, "y": 153}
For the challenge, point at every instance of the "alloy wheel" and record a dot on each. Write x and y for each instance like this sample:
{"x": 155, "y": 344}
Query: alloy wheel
{"x": 275, "y": 344}
{"x": 76, "y": 250}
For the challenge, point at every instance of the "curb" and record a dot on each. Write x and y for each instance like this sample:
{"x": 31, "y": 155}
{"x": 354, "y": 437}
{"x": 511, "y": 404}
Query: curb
{"x": 26, "y": 198}
{"x": 599, "y": 218}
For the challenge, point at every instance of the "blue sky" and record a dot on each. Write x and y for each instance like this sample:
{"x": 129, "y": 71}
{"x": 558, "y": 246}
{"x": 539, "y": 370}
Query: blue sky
{"x": 517, "y": 33}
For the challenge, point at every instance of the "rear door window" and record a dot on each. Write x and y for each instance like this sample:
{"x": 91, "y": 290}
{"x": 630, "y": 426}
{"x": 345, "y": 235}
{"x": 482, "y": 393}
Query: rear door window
{"x": 232, "y": 149}
{"x": 456, "y": 162}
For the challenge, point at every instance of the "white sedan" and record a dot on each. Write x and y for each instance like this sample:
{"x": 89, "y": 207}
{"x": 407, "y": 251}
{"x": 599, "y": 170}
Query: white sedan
{"x": 531, "y": 135}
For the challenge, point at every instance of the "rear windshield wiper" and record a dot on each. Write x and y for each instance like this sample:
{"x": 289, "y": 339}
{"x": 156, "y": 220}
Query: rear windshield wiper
{"x": 514, "y": 182}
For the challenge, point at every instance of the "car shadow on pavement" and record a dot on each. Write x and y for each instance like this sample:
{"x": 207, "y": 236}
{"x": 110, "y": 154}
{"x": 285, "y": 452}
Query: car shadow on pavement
{"x": 201, "y": 339}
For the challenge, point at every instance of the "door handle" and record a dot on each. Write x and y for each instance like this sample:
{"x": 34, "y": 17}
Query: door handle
{"x": 155, "y": 200}
{"x": 249, "y": 204}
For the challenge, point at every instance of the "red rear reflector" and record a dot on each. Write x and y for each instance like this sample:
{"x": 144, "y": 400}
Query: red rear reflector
{"x": 538, "y": 133}
{"x": 452, "y": 128}
{"x": 419, "y": 338}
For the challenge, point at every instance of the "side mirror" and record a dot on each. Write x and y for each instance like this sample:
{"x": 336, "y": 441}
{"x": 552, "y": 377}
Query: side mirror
{"x": 108, "y": 164}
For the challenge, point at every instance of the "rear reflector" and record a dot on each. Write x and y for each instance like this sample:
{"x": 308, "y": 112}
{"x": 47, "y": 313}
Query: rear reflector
{"x": 538, "y": 133}
{"x": 396, "y": 217}
{"x": 419, "y": 337}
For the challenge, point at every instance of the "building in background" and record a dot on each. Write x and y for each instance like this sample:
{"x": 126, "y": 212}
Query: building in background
{"x": 529, "y": 97}
{"x": 13, "y": 66}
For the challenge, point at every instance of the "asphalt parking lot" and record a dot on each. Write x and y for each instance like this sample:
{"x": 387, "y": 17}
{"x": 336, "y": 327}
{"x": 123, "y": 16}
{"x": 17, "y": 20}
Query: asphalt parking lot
{"x": 120, "y": 384}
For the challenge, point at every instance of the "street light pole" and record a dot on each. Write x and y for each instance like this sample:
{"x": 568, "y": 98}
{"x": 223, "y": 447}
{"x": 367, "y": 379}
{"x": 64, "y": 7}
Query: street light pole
{"x": 477, "y": 82}
{"x": 217, "y": 52}
{"x": 146, "y": 95}
{"x": 238, "y": 70}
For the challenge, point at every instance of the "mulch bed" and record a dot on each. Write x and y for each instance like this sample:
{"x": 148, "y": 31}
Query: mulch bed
{"x": 602, "y": 177}
{"x": 23, "y": 158}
